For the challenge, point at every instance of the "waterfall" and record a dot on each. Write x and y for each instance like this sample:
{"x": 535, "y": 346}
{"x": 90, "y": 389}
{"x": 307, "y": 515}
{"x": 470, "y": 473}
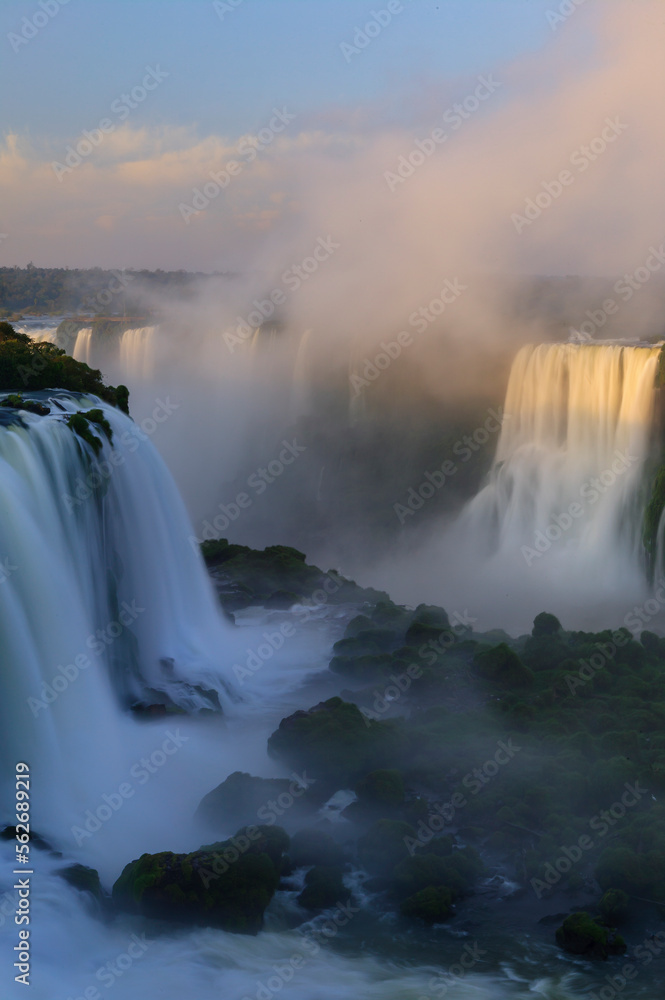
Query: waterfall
{"x": 567, "y": 478}
{"x": 137, "y": 352}
{"x": 103, "y": 600}
{"x": 83, "y": 345}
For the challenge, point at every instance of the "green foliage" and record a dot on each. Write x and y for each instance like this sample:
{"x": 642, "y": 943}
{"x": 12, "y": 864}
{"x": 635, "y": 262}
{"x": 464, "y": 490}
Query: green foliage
{"x": 32, "y": 366}
{"x": 654, "y": 509}
{"x": 581, "y": 935}
{"x": 80, "y": 424}
{"x": 501, "y": 665}
{"x": 545, "y": 624}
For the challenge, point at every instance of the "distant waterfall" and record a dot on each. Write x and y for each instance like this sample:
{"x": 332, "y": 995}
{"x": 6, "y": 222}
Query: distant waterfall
{"x": 137, "y": 352}
{"x": 571, "y": 458}
{"x": 83, "y": 346}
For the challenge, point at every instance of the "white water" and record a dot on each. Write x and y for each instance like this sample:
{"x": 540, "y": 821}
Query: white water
{"x": 83, "y": 346}
{"x": 137, "y": 352}
{"x": 558, "y": 525}
{"x": 576, "y": 430}
{"x": 92, "y": 546}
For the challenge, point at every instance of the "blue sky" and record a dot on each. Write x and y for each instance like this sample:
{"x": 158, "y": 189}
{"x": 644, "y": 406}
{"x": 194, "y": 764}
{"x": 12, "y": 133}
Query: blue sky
{"x": 226, "y": 74}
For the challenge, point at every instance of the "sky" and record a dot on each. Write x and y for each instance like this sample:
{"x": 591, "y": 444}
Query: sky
{"x": 290, "y": 91}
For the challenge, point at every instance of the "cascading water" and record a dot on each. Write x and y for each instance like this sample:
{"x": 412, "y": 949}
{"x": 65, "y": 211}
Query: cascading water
{"x": 83, "y": 346}
{"x": 104, "y": 601}
{"x": 571, "y": 457}
{"x": 137, "y": 352}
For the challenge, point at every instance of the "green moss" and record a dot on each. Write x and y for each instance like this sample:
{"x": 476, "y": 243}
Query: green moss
{"x": 581, "y": 935}
{"x": 653, "y": 511}
{"x": 324, "y": 887}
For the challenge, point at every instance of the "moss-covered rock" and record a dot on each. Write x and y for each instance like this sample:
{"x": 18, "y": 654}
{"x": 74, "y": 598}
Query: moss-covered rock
{"x": 580, "y": 934}
{"x": 84, "y": 879}
{"x": 324, "y": 887}
{"x": 432, "y": 905}
{"x": 335, "y": 740}
{"x": 613, "y": 907}
{"x": 243, "y": 799}
{"x": 228, "y": 884}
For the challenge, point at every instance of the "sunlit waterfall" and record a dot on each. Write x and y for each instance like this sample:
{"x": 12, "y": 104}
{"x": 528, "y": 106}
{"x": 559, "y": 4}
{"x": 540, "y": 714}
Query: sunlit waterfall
{"x": 565, "y": 496}
{"x": 137, "y": 352}
{"x": 83, "y": 346}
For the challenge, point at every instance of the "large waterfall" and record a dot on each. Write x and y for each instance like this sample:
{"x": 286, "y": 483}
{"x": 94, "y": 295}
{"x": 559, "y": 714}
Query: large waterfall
{"x": 559, "y": 523}
{"x": 104, "y": 601}
{"x": 570, "y": 460}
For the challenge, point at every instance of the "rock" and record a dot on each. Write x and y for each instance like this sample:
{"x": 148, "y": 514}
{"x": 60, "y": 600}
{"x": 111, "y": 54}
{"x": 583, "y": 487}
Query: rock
{"x": 226, "y": 885}
{"x": 580, "y": 934}
{"x": 335, "y": 741}
{"x": 242, "y": 799}
{"x": 84, "y": 879}
{"x": 324, "y": 887}
{"x": 613, "y": 907}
